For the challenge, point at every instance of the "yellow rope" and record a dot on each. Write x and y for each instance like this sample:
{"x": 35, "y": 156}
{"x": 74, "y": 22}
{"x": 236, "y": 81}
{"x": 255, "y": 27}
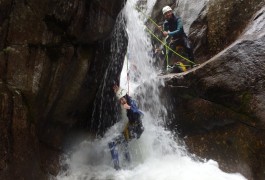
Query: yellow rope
{"x": 167, "y": 46}
{"x": 149, "y": 18}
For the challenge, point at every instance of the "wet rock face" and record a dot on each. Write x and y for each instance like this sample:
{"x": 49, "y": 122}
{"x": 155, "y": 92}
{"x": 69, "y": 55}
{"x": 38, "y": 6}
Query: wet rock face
{"x": 219, "y": 24}
{"x": 219, "y": 106}
{"x": 53, "y": 56}
{"x": 227, "y": 19}
{"x": 19, "y": 143}
{"x": 211, "y": 25}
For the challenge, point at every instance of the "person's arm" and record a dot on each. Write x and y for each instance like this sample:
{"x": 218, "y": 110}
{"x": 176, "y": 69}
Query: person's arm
{"x": 178, "y": 30}
{"x": 165, "y": 29}
{"x": 126, "y": 106}
{"x": 133, "y": 107}
{"x": 165, "y": 26}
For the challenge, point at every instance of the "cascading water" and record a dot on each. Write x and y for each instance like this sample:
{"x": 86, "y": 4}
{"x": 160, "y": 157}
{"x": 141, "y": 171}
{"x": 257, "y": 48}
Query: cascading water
{"x": 157, "y": 155}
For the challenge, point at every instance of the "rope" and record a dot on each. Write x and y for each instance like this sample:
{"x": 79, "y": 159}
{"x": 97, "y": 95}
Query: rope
{"x": 167, "y": 47}
{"x": 149, "y": 18}
{"x": 128, "y": 77}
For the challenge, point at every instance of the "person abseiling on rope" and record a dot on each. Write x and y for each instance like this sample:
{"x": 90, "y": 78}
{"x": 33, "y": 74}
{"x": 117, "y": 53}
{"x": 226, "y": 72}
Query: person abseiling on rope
{"x": 133, "y": 129}
{"x": 173, "y": 28}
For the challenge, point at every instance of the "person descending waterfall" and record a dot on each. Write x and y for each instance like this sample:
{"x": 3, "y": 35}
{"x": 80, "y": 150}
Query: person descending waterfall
{"x": 133, "y": 129}
{"x": 173, "y": 28}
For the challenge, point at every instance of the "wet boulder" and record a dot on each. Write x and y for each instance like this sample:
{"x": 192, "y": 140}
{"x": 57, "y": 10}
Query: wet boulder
{"x": 53, "y": 57}
{"x": 219, "y": 106}
{"x": 219, "y": 24}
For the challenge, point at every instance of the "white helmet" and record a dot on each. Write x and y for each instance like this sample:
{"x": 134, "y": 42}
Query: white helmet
{"x": 166, "y": 9}
{"x": 120, "y": 93}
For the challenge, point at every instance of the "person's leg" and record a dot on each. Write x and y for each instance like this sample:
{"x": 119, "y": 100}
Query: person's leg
{"x": 166, "y": 57}
{"x": 188, "y": 48}
{"x": 127, "y": 152}
{"x": 114, "y": 155}
{"x": 114, "y": 151}
{"x": 127, "y": 138}
{"x": 139, "y": 129}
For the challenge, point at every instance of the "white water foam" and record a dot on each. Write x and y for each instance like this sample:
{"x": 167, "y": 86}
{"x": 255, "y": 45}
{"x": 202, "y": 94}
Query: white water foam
{"x": 157, "y": 155}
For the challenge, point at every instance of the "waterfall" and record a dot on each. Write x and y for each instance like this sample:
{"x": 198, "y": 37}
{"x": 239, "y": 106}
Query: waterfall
{"x": 157, "y": 155}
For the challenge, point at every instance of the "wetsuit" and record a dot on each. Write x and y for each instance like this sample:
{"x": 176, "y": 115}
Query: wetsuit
{"x": 177, "y": 37}
{"x": 133, "y": 129}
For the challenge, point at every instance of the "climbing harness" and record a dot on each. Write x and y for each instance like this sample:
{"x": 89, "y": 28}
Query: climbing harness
{"x": 126, "y": 132}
